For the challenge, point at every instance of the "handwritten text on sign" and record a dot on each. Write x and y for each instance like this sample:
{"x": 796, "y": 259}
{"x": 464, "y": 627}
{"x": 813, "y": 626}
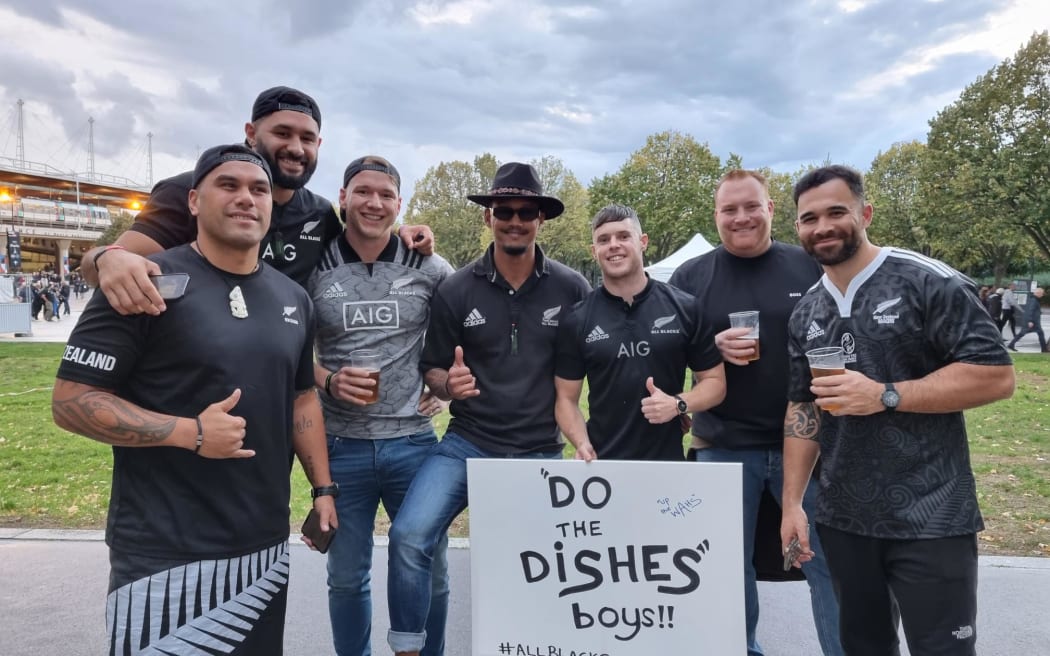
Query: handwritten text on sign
{"x": 614, "y": 558}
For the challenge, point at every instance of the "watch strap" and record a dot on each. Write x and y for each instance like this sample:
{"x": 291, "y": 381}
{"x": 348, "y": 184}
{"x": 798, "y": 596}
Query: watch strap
{"x": 325, "y": 491}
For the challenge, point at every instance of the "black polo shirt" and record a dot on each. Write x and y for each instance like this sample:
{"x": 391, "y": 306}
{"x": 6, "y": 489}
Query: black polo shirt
{"x": 508, "y": 338}
{"x": 293, "y": 245}
{"x": 617, "y": 346}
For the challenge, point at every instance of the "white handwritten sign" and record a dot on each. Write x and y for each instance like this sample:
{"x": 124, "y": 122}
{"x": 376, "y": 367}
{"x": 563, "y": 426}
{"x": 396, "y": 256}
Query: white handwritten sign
{"x": 608, "y": 558}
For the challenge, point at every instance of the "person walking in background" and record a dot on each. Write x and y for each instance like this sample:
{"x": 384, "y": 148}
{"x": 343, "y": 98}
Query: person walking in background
{"x": 1010, "y": 309}
{"x": 1031, "y": 320}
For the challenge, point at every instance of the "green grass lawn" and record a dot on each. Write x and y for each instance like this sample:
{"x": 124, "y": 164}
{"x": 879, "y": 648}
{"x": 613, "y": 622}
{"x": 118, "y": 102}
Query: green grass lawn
{"x": 51, "y": 478}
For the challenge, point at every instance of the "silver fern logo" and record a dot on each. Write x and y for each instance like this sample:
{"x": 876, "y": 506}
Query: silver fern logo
{"x": 880, "y": 311}
{"x": 659, "y": 324}
{"x": 550, "y": 316}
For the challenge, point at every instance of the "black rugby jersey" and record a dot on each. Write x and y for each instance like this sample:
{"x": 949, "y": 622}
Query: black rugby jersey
{"x": 169, "y": 502}
{"x": 509, "y": 341}
{"x": 293, "y": 245}
{"x": 898, "y": 475}
{"x": 752, "y": 414}
{"x": 617, "y": 347}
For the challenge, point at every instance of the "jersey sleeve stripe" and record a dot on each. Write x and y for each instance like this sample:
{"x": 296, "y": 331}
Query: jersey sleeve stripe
{"x": 936, "y": 267}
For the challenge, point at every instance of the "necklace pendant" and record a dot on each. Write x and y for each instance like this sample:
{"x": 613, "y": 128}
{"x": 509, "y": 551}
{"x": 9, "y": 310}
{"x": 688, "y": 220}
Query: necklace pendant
{"x": 238, "y": 308}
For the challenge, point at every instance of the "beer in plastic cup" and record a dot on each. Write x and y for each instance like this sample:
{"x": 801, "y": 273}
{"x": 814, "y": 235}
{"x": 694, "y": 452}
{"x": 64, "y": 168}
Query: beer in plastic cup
{"x": 827, "y": 361}
{"x": 368, "y": 360}
{"x": 747, "y": 319}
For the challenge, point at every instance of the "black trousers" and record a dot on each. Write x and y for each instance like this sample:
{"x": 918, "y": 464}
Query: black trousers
{"x": 931, "y": 583}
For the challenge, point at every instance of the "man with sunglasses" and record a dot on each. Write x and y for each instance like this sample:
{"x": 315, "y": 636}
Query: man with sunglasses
{"x": 490, "y": 348}
{"x": 285, "y": 131}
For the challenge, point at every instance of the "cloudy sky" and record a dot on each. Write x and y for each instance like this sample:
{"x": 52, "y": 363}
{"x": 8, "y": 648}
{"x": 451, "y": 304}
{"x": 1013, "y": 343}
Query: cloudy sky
{"x": 780, "y": 82}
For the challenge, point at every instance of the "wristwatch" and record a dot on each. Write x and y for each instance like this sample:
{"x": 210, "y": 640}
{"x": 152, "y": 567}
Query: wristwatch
{"x": 326, "y": 491}
{"x": 683, "y": 407}
{"x": 890, "y": 397}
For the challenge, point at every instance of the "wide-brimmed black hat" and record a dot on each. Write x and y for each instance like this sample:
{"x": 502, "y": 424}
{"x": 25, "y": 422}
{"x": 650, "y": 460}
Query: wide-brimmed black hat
{"x": 517, "y": 180}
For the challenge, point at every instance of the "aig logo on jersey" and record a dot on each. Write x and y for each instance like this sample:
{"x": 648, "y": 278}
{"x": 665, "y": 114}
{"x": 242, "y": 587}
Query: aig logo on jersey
{"x": 658, "y": 327}
{"x": 880, "y": 315}
{"x": 371, "y": 315}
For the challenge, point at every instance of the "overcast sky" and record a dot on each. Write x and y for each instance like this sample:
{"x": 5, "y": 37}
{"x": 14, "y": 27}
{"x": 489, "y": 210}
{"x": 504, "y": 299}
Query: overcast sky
{"x": 780, "y": 82}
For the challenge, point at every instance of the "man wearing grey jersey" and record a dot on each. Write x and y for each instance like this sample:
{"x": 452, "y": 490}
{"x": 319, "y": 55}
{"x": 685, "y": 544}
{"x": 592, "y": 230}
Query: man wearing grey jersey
{"x": 371, "y": 292}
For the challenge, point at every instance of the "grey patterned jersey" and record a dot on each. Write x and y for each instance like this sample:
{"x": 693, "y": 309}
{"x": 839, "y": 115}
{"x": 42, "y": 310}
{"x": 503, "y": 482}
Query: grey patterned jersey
{"x": 383, "y": 306}
{"x": 896, "y": 475}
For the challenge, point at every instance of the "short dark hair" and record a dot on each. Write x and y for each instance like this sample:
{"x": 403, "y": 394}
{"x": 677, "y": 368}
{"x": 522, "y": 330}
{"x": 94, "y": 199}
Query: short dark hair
{"x": 613, "y": 213}
{"x": 852, "y": 177}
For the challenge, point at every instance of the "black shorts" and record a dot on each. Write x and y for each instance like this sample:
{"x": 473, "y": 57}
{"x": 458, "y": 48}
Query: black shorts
{"x": 208, "y": 607}
{"x": 931, "y": 584}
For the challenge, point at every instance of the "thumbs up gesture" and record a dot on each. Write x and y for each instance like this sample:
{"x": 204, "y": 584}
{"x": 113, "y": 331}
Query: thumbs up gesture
{"x": 460, "y": 383}
{"x": 658, "y": 407}
{"x": 223, "y": 433}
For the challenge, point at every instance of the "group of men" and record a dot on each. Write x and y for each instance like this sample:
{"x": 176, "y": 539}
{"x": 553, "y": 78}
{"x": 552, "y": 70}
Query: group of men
{"x": 240, "y": 367}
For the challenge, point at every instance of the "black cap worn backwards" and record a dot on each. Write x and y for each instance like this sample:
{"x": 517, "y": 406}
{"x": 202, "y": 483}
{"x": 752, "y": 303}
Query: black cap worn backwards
{"x": 217, "y": 155}
{"x": 280, "y": 99}
{"x": 362, "y": 164}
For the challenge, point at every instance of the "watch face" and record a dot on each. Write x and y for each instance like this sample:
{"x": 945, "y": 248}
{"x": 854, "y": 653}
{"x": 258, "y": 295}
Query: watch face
{"x": 890, "y": 399}
{"x": 683, "y": 407}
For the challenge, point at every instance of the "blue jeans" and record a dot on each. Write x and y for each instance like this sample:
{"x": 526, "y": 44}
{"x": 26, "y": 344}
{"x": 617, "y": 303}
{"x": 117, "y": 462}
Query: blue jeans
{"x": 437, "y": 495}
{"x": 765, "y": 469}
{"x": 370, "y": 471}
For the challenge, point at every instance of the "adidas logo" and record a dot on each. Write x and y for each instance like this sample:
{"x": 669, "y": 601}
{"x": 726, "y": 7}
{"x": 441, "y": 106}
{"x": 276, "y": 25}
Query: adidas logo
{"x": 550, "y": 316}
{"x": 596, "y": 335}
{"x": 473, "y": 319}
{"x": 815, "y": 331}
{"x": 335, "y": 290}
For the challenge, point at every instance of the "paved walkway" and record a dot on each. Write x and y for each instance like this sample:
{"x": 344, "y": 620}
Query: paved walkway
{"x": 53, "y": 587}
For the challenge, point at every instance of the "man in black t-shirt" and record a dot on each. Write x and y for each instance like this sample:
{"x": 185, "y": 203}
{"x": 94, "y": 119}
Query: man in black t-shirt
{"x": 633, "y": 339}
{"x": 897, "y": 511}
{"x": 204, "y": 406}
{"x": 285, "y": 130}
{"x": 751, "y": 271}
{"x": 490, "y": 348}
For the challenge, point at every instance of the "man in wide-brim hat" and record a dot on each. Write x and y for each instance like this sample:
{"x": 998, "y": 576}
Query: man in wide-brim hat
{"x": 490, "y": 348}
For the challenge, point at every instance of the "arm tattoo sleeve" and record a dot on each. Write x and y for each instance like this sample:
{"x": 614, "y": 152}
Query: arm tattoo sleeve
{"x": 110, "y": 419}
{"x": 802, "y": 421}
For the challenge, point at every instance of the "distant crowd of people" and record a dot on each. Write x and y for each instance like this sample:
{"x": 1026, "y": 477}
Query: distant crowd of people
{"x": 1005, "y": 308}
{"x": 49, "y": 293}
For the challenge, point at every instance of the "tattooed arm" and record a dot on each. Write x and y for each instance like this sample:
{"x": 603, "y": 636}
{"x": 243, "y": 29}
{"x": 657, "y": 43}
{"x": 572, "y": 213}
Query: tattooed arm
{"x": 103, "y": 416}
{"x": 311, "y": 447}
{"x": 801, "y": 449}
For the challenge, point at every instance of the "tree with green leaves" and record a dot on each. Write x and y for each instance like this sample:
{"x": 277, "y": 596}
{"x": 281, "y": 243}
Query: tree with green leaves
{"x": 989, "y": 156}
{"x": 440, "y": 201}
{"x": 670, "y": 182}
{"x": 120, "y": 221}
{"x": 893, "y": 185}
{"x": 567, "y": 238}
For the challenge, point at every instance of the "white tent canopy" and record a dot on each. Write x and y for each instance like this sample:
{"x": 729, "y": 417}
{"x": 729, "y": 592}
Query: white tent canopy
{"x": 663, "y": 269}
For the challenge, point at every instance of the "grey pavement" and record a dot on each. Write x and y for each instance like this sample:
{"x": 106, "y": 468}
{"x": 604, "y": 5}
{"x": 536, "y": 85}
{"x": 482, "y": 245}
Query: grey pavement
{"x": 53, "y": 587}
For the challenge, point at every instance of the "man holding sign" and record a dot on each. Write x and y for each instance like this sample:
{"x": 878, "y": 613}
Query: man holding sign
{"x": 490, "y": 348}
{"x": 633, "y": 338}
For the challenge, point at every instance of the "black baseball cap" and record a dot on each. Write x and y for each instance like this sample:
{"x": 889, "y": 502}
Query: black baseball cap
{"x": 278, "y": 99}
{"x": 362, "y": 164}
{"x": 217, "y": 155}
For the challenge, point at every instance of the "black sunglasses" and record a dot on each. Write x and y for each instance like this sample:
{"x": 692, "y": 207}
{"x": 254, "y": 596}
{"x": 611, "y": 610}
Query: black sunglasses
{"x": 504, "y": 213}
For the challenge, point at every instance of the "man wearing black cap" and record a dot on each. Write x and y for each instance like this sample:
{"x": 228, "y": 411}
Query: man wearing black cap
{"x": 198, "y": 516}
{"x": 490, "y": 349}
{"x": 285, "y": 130}
{"x": 373, "y": 293}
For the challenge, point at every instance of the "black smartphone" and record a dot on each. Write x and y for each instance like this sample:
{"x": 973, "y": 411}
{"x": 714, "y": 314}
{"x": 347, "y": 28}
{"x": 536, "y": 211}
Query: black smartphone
{"x": 170, "y": 285}
{"x": 312, "y": 529}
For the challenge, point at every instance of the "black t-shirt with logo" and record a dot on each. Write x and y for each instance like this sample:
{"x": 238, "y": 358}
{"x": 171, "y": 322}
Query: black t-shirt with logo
{"x": 617, "y": 346}
{"x": 752, "y": 414}
{"x": 897, "y": 475}
{"x": 293, "y": 245}
{"x": 509, "y": 341}
{"x": 167, "y": 502}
